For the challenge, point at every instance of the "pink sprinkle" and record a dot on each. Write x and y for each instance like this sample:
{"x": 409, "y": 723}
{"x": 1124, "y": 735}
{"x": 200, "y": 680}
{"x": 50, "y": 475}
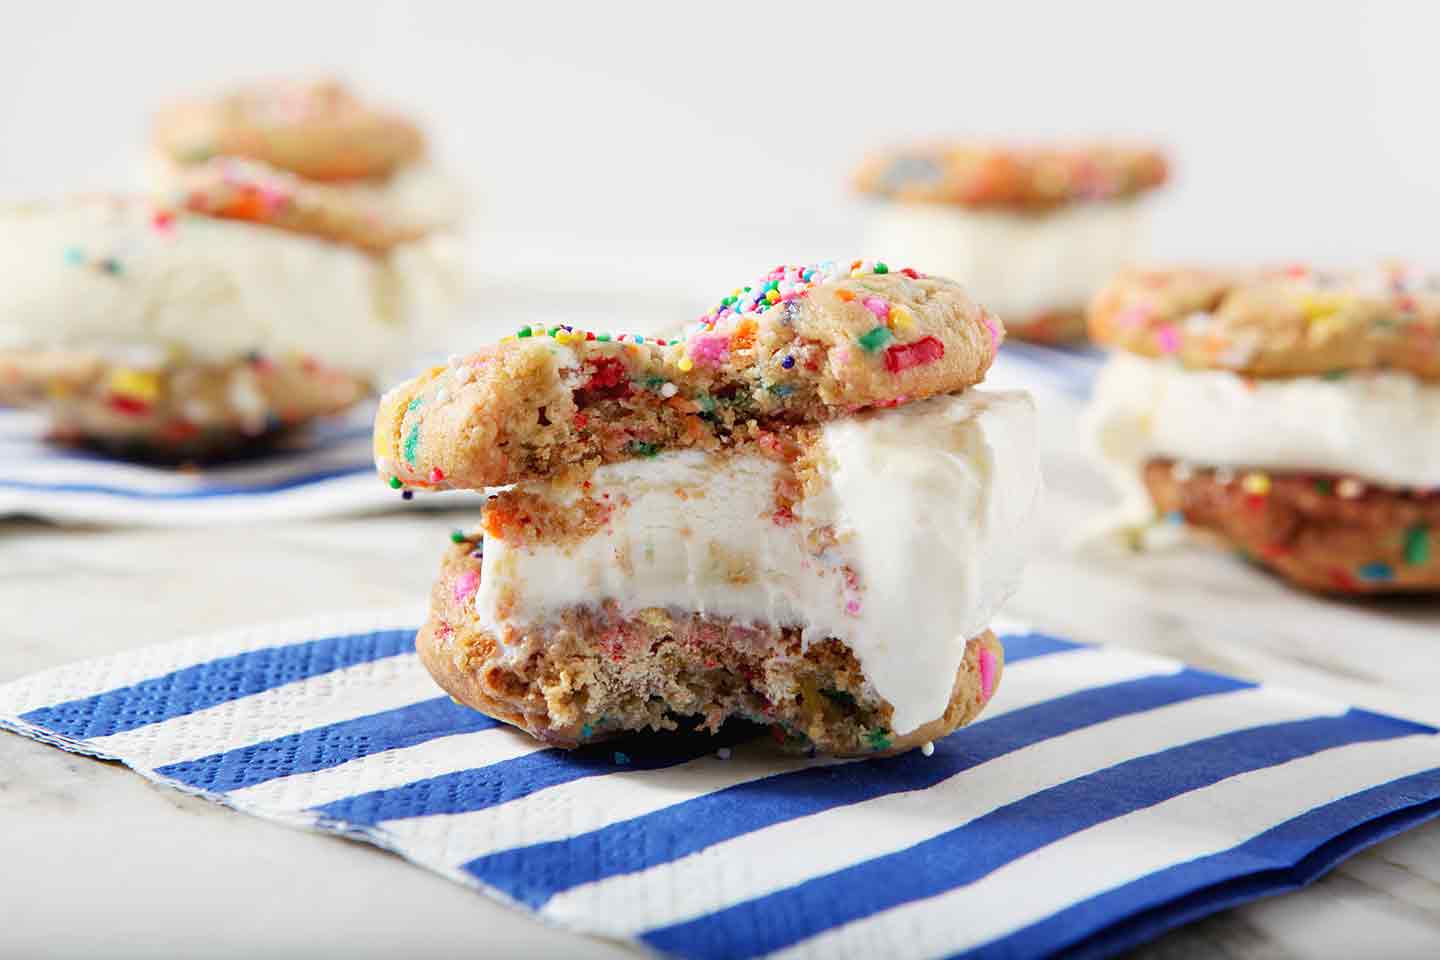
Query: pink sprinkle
{"x": 710, "y": 350}
{"x": 879, "y": 307}
{"x": 465, "y": 587}
{"x": 994, "y": 332}
{"x": 1169, "y": 339}
{"x": 987, "y": 672}
{"x": 852, "y": 607}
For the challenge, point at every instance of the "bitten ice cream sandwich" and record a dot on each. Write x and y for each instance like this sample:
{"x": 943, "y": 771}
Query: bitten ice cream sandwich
{"x": 246, "y": 300}
{"x": 1032, "y": 231}
{"x": 799, "y": 514}
{"x": 1293, "y": 413}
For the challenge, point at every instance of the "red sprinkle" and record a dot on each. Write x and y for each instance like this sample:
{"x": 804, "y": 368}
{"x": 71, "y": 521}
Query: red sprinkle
{"x": 910, "y": 272}
{"x": 436, "y": 475}
{"x": 131, "y": 405}
{"x": 905, "y": 356}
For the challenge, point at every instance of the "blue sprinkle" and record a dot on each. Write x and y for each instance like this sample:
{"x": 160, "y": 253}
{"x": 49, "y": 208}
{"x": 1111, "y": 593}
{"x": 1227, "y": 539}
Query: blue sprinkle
{"x": 407, "y": 494}
{"x": 621, "y": 758}
{"x": 788, "y": 362}
{"x": 781, "y": 390}
{"x": 74, "y": 256}
{"x": 586, "y": 730}
{"x": 1377, "y": 571}
{"x": 1175, "y": 516}
{"x": 639, "y": 339}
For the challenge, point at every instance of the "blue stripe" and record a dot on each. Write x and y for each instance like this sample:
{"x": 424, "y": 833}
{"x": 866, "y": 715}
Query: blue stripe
{"x": 1025, "y": 646}
{"x": 328, "y": 746}
{"x": 214, "y": 490}
{"x": 34, "y": 451}
{"x": 536, "y": 873}
{"x": 1283, "y": 858}
{"x": 214, "y": 682}
{"x": 967, "y": 853}
{"x": 467, "y": 790}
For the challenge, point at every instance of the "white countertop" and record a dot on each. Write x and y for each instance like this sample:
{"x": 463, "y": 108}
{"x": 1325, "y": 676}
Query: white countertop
{"x": 109, "y": 860}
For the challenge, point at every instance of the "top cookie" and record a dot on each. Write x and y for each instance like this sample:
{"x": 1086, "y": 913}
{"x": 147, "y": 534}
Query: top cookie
{"x": 1028, "y": 179}
{"x": 317, "y": 130}
{"x": 1286, "y": 322}
{"x": 800, "y": 345}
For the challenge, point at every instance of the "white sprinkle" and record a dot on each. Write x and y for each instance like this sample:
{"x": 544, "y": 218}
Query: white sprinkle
{"x": 1224, "y": 475}
{"x": 668, "y": 390}
{"x": 1349, "y": 488}
{"x": 927, "y": 748}
{"x": 1181, "y": 471}
{"x": 723, "y": 753}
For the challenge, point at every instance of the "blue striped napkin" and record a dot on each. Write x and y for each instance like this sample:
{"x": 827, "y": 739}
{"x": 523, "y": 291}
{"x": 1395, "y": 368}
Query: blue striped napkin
{"x": 327, "y": 471}
{"x": 1069, "y": 370}
{"x": 1106, "y": 795}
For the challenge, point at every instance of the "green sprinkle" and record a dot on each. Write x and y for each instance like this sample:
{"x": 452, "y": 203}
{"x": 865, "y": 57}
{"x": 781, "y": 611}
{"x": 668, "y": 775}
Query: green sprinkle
{"x": 111, "y": 266}
{"x": 412, "y": 442}
{"x": 586, "y": 730}
{"x": 781, "y": 389}
{"x": 1324, "y": 487}
{"x": 881, "y": 268}
{"x": 1335, "y": 374}
{"x": 414, "y": 404}
{"x": 602, "y": 337}
{"x": 524, "y": 331}
{"x": 707, "y": 402}
{"x": 1417, "y": 545}
{"x": 554, "y": 330}
{"x": 621, "y": 759}
{"x": 642, "y": 449}
{"x": 875, "y": 339}
{"x": 654, "y": 383}
{"x": 395, "y": 483}
{"x": 457, "y": 536}
{"x": 879, "y": 738}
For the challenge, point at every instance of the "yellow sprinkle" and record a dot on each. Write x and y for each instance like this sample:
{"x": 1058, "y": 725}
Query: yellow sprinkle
{"x": 135, "y": 383}
{"x": 900, "y": 318}
{"x": 686, "y": 363}
{"x": 1256, "y": 483}
{"x": 509, "y": 337}
{"x": 1319, "y": 306}
{"x": 773, "y": 296}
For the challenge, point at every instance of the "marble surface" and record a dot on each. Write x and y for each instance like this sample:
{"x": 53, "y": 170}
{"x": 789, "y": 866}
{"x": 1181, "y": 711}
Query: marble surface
{"x": 114, "y": 865}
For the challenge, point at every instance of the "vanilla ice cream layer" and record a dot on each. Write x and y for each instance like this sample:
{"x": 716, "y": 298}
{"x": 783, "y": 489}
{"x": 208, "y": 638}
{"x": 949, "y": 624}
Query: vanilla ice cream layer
{"x": 1015, "y": 264}
{"x": 1382, "y": 427}
{"x": 930, "y": 505}
{"x": 105, "y": 277}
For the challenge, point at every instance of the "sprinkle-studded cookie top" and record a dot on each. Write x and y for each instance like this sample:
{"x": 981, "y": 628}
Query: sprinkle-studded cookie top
{"x": 1276, "y": 322}
{"x": 1023, "y": 178}
{"x": 318, "y": 130}
{"x": 799, "y": 345}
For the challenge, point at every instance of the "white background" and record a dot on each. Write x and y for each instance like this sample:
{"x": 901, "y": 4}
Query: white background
{"x": 670, "y": 139}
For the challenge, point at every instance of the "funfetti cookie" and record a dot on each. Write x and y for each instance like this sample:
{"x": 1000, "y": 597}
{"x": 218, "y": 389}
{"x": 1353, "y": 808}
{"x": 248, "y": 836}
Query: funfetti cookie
{"x": 1293, "y": 413}
{"x": 167, "y": 335}
{"x": 825, "y": 558}
{"x": 1031, "y": 230}
{"x": 310, "y": 158}
{"x": 799, "y": 345}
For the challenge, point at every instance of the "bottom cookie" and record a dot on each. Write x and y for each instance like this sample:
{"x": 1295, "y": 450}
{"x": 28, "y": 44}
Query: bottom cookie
{"x": 181, "y": 412}
{"x": 598, "y": 673}
{"x": 1325, "y": 533}
{"x": 1048, "y": 326}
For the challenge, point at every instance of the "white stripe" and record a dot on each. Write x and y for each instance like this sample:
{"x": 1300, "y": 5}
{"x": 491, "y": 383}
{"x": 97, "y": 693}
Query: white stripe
{"x": 292, "y": 708}
{"x": 591, "y": 803}
{"x": 1200, "y": 823}
{"x": 87, "y": 678}
{"x": 388, "y": 769}
{"x": 1039, "y": 679}
{"x": 785, "y": 854}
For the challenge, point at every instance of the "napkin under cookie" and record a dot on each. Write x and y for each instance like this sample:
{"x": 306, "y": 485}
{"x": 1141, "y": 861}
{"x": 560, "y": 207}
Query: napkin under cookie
{"x": 327, "y": 470}
{"x": 1104, "y": 797}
